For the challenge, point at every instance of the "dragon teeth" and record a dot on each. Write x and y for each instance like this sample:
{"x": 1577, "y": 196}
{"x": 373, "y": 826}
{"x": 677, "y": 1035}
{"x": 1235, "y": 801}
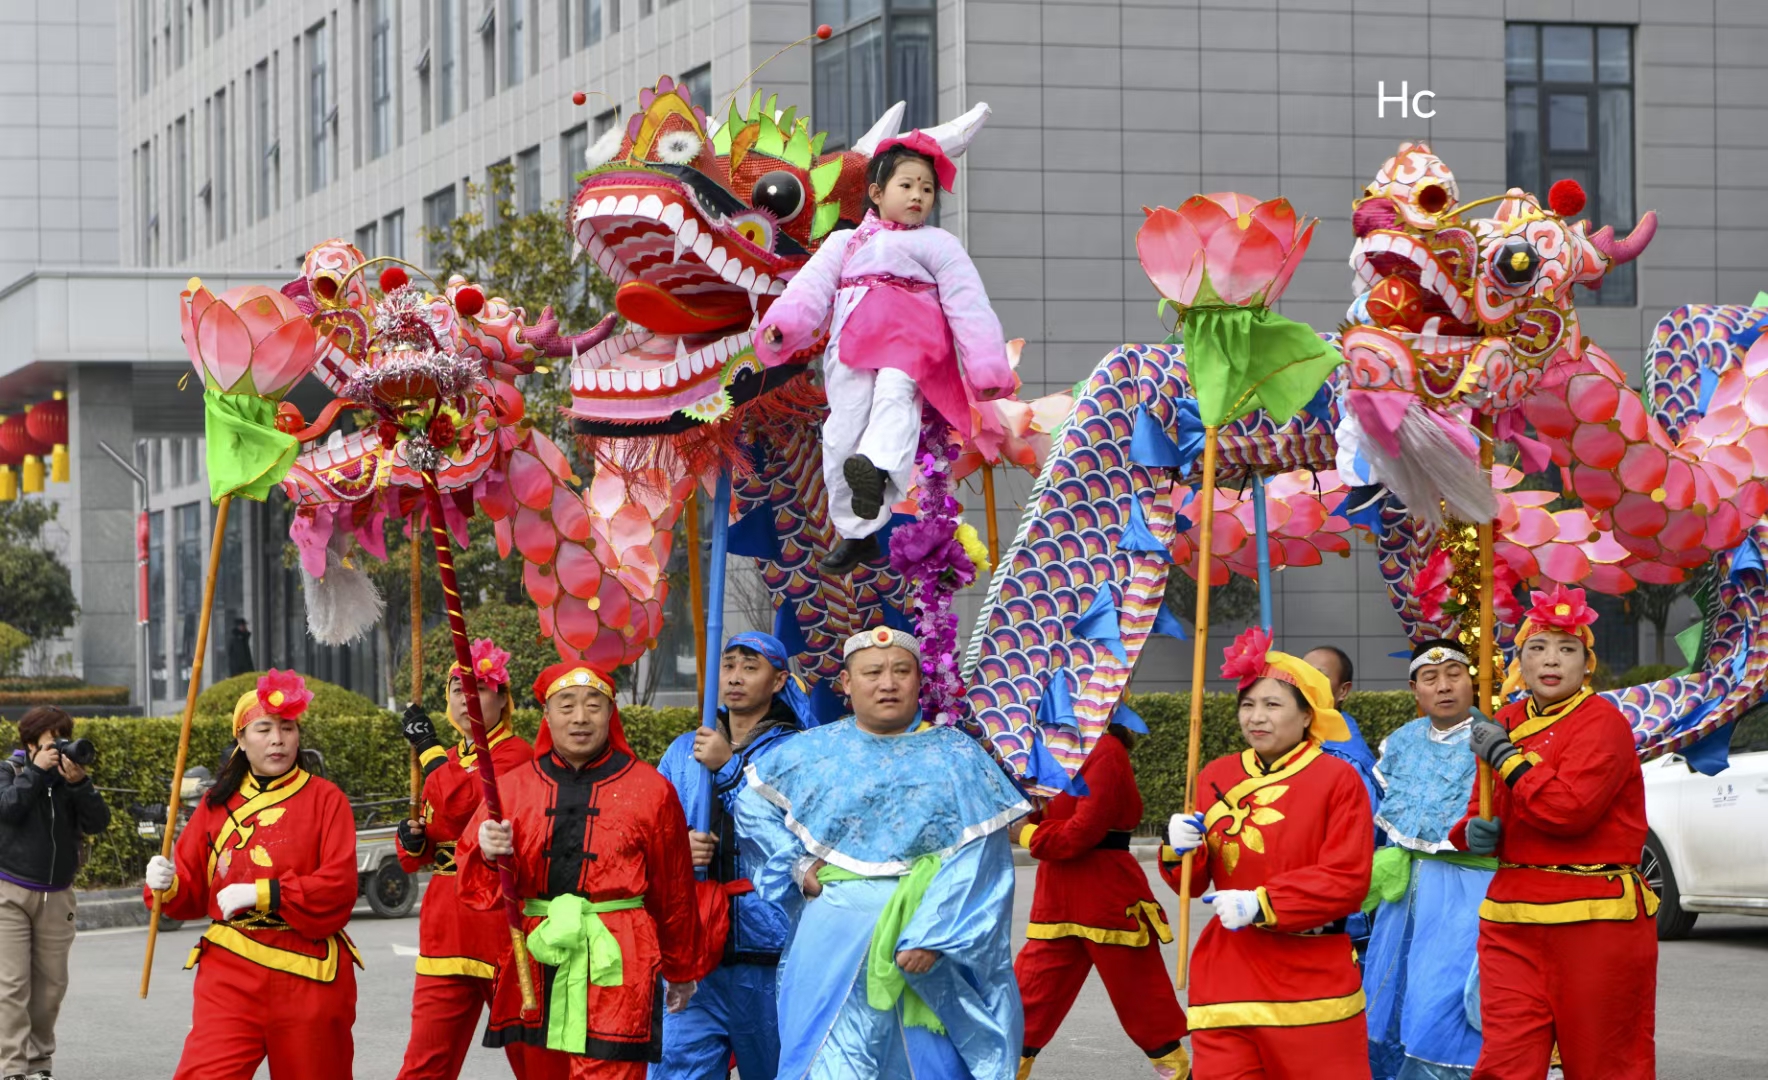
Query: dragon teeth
{"x": 703, "y": 247}
{"x": 672, "y": 216}
{"x": 746, "y": 279}
{"x": 762, "y": 283}
{"x": 716, "y": 260}
{"x": 689, "y": 232}
{"x": 731, "y": 271}
{"x": 650, "y": 206}
{"x": 627, "y": 206}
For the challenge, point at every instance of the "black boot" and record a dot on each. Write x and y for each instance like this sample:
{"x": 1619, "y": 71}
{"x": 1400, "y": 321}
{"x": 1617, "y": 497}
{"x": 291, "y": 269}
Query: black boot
{"x": 846, "y": 555}
{"x": 866, "y": 481}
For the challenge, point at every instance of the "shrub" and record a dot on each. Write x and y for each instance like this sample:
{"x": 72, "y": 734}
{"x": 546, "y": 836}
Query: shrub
{"x": 41, "y": 682}
{"x": 13, "y": 643}
{"x": 515, "y": 629}
{"x": 75, "y": 695}
{"x": 329, "y": 699}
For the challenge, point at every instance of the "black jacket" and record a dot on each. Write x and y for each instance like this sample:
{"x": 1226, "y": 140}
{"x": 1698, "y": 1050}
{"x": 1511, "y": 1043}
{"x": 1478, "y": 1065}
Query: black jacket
{"x": 41, "y": 819}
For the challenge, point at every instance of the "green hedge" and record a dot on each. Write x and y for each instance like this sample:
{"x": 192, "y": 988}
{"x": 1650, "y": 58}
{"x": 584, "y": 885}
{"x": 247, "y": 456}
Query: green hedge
{"x": 365, "y": 755}
{"x": 41, "y": 682}
{"x": 76, "y": 695}
{"x": 329, "y": 699}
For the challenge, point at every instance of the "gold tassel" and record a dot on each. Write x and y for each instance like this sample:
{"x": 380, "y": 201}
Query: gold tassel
{"x": 58, "y": 464}
{"x": 33, "y": 474}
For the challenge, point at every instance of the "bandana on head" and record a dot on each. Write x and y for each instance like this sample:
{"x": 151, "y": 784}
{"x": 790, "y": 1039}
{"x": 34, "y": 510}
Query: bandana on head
{"x": 490, "y": 664}
{"x": 1251, "y": 658}
{"x": 882, "y": 637}
{"x": 771, "y": 648}
{"x": 922, "y": 143}
{"x": 576, "y": 673}
{"x": 1562, "y": 610}
{"x": 281, "y": 694}
{"x": 1431, "y": 653}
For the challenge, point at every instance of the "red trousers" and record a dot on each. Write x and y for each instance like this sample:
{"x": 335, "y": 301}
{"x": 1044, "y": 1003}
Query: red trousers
{"x": 1591, "y": 985}
{"x": 1051, "y": 972}
{"x": 445, "y": 1013}
{"x": 1335, "y": 1051}
{"x": 243, "y": 1013}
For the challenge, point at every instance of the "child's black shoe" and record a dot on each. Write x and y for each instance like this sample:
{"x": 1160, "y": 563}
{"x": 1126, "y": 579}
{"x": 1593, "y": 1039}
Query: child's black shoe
{"x": 866, "y": 481}
{"x": 846, "y": 555}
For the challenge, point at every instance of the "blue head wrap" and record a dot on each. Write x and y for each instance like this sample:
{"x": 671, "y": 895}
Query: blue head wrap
{"x": 794, "y": 693}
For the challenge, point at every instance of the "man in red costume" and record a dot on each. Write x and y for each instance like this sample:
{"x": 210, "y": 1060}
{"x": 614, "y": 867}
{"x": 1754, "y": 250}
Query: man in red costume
{"x": 598, "y": 846}
{"x": 459, "y": 948}
{"x": 1567, "y": 942}
{"x": 1093, "y": 908}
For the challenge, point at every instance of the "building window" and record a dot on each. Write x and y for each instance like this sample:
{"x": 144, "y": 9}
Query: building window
{"x": 882, "y": 51}
{"x": 380, "y": 78}
{"x": 156, "y": 603}
{"x": 223, "y": 165}
{"x": 589, "y": 21}
{"x": 438, "y": 216}
{"x": 393, "y": 234}
{"x": 319, "y": 112}
{"x": 144, "y": 206}
{"x": 143, "y": 46}
{"x": 180, "y": 191}
{"x": 447, "y": 64}
{"x": 488, "y": 47}
{"x": 528, "y": 181}
{"x": 1570, "y": 105}
{"x": 499, "y": 190}
{"x": 644, "y": 8}
{"x": 572, "y": 145}
{"x": 699, "y": 86}
{"x": 613, "y": 16}
{"x": 515, "y": 40}
{"x": 365, "y": 240}
{"x": 189, "y": 518}
{"x": 269, "y": 148}
{"x": 178, "y": 25}
{"x": 604, "y": 123}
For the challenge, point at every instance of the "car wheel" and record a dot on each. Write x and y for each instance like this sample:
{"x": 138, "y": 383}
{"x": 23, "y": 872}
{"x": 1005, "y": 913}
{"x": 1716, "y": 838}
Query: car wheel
{"x": 1673, "y": 924}
{"x": 391, "y": 891}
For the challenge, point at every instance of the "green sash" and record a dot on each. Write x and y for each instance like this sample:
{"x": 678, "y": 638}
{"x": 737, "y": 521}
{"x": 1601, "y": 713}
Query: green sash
{"x": 573, "y": 939}
{"x": 1392, "y": 871}
{"x": 885, "y": 982}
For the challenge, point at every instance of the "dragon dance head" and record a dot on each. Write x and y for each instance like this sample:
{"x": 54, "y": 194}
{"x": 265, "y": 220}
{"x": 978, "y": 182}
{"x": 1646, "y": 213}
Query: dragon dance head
{"x": 700, "y": 225}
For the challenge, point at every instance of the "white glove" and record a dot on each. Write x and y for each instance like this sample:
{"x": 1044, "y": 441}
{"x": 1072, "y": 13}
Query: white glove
{"x": 1185, "y": 833}
{"x": 160, "y": 873}
{"x": 1236, "y": 908}
{"x": 237, "y": 897}
{"x": 496, "y": 839}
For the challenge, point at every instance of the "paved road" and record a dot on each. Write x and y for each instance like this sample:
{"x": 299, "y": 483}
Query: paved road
{"x": 1710, "y": 993}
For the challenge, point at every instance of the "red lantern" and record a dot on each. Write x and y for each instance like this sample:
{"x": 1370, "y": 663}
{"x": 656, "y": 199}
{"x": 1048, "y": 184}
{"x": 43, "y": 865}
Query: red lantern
{"x": 16, "y": 441}
{"x": 47, "y": 424}
{"x": 10, "y": 459}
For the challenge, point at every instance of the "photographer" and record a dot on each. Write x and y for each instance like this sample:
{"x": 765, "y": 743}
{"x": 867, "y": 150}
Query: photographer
{"x": 46, "y": 803}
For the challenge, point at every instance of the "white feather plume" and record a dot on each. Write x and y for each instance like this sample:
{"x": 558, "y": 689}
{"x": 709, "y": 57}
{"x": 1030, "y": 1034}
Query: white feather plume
{"x": 343, "y": 606}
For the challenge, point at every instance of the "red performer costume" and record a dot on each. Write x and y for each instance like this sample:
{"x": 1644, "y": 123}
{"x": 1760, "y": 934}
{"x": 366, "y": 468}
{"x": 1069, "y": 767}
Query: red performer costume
{"x": 603, "y": 845}
{"x": 1093, "y": 908}
{"x": 1567, "y": 942}
{"x": 291, "y": 840}
{"x": 459, "y": 948}
{"x": 1279, "y": 998}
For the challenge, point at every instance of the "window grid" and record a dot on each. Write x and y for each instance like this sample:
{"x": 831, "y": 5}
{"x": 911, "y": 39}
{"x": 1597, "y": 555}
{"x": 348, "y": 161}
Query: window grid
{"x": 516, "y": 43}
{"x": 528, "y": 181}
{"x": 882, "y": 51}
{"x": 318, "y": 109}
{"x": 589, "y": 21}
{"x": 447, "y": 50}
{"x": 572, "y": 145}
{"x": 380, "y": 78}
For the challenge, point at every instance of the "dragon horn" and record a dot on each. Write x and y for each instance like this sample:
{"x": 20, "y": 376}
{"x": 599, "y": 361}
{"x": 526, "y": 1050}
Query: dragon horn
{"x": 955, "y": 136}
{"x": 1625, "y": 251}
{"x": 886, "y": 127}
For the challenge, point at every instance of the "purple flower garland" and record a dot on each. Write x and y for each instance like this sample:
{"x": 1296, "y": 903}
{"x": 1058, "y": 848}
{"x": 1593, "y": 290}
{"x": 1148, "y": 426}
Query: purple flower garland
{"x": 927, "y": 554}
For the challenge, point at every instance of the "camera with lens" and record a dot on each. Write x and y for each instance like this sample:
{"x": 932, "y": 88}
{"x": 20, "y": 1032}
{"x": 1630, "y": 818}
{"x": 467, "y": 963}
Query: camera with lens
{"x": 79, "y": 751}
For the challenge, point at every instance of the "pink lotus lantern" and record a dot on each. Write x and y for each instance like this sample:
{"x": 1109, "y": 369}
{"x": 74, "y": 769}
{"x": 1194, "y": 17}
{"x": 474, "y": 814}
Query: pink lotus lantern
{"x": 248, "y": 340}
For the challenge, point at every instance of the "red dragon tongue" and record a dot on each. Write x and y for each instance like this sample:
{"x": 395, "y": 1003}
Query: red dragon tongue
{"x": 663, "y": 312}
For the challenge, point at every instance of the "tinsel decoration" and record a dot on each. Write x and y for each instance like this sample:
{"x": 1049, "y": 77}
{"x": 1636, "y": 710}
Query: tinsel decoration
{"x": 1448, "y": 588}
{"x": 932, "y": 560}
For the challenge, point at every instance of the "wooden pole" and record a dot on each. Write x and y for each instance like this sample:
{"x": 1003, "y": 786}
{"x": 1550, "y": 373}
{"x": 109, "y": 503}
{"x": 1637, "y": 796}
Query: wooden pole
{"x": 1199, "y": 662}
{"x": 696, "y": 586}
{"x": 417, "y": 666}
{"x": 994, "y": 528}
{"x": 196, "y": 684}
{"x": 1486, "y": 645}
{"x": 469, "y": 686}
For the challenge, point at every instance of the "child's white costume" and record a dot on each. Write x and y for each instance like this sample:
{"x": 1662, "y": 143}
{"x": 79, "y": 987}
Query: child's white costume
{"x": 903, "y": 304}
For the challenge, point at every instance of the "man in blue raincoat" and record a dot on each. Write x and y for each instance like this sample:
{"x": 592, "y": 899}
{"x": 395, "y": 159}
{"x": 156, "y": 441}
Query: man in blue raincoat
{"x": 886, "y": 841}
{"x": 733, "y": 1013}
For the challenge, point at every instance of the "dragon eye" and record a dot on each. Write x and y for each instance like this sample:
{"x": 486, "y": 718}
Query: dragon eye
{"x": 780, "y": 194}
{"x": 1517, "y": 262}
{"x": 758, "y": 229}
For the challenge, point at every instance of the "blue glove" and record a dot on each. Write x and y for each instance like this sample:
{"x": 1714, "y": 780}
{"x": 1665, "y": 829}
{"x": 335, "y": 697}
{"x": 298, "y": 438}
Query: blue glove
{"x": 1184, "y": 833}
{"x": 1482, "y": 835}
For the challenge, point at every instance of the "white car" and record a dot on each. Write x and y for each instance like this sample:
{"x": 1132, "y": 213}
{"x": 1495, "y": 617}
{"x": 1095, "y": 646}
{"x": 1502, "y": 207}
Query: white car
{"x": 1707, "y": 849}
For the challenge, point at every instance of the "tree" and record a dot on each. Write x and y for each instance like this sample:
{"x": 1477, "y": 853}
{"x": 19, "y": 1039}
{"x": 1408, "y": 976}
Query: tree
{"x": 36, "y": 590}
{"x": 1653, "y": 603}
{"x": 1235, "y": 602}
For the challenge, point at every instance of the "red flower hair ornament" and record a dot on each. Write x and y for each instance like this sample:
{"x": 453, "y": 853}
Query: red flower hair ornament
{"x": 1560, "y": 609}
{"x": 1244, "y": 660}
{"x": 491, "y": 665}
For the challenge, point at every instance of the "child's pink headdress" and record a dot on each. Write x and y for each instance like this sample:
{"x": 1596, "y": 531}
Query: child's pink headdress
{"x": 944, "y": 143}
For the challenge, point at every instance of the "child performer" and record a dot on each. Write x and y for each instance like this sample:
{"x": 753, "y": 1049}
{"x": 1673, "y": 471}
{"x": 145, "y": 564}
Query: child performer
{"x": 598, "y": 846}
{"x": 1093, "y": 908}
{"x": 1286, "y": 839}
{"x": 270, "y": 857}
{"x": 459, "y": 948}
{"x": 903, "y": 303}
{"x": 1567, "y": 938}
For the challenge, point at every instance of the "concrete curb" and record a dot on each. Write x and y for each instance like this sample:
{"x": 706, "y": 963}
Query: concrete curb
{"x": 107, "y": 909}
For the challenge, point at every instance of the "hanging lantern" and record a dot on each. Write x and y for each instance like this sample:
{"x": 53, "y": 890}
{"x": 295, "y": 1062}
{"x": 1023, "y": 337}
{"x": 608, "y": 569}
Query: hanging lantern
{"x": 9, "y": 461}
{"x": 47, "y": 424}
{"x": 15, "y": 434}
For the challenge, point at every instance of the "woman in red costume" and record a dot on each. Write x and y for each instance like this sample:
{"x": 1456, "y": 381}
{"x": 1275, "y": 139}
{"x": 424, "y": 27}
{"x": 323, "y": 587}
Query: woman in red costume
{"x": 1285, "y": 841}
{"x": 459, "y": 948}
{"x": 270, "y": 857}
{"x": 1567, "y": 939}
{"x": 1093, "y": 908}
{"x": 599, "y": 849}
